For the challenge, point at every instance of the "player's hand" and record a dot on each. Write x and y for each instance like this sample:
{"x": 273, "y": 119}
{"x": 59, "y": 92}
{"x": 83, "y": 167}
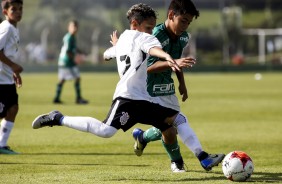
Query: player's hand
{"x": 18, "y": 79}
{"x": 172, "y": 64}
{"x": 114, "y": 38}
{"x": 186, "y": 62}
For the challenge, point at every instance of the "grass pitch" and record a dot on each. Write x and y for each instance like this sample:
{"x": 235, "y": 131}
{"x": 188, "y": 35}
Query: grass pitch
{"x": 227, "y": 111}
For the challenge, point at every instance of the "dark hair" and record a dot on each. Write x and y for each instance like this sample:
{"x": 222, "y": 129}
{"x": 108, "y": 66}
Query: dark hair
{"x": 181, "y": 7}
{"x": 5, "y": 4}
{"x": 75, "y": 22}
{"x": 140, "y": 12}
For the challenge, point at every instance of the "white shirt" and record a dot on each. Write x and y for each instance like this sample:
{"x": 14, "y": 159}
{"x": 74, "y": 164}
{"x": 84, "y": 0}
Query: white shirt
{"x": 131, "y": 53}
{"x": 9, "y": 43}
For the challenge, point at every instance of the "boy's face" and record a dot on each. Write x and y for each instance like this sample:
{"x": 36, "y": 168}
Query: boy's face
{"x": 147, "y": 25}
{"x": 14, "y": 13}
{"x": 73, "y": 28}
{"x": 180, "y": 23}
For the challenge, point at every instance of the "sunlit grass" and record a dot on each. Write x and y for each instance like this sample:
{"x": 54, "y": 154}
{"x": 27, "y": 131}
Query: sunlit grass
{"x": 227, "y": 111}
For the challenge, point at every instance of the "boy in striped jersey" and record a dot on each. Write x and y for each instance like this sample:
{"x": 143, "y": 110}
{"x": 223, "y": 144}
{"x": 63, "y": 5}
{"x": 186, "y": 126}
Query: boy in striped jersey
{"x": 131, "y": 102}
{"x": 173, "y": 37}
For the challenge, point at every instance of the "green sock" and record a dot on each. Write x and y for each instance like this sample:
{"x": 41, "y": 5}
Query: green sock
{"x": 77, "y": 90}
{"x": 58, "y": 91}
{"x": 173, "y": 151}
{"x": 152, "y": 134}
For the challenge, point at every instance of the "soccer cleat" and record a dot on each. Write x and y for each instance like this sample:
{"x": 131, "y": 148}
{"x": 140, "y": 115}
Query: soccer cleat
{"x": 57, "y": 101}
{"x": 47, "y": 120}
{"x": 211, "y": 161}
{"x": 81, "y": 101}
{"x": 177, "y": 167}
{"x": 7, "y": 150}
{"x": 138, "y": 146}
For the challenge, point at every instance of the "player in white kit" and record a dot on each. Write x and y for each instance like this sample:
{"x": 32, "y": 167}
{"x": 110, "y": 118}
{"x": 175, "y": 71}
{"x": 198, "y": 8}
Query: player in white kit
{"x": 9, "y": 70}
{"x": 131, "y": 102}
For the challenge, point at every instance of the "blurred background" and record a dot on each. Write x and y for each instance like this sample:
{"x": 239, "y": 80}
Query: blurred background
{"x": 229, "y": 34}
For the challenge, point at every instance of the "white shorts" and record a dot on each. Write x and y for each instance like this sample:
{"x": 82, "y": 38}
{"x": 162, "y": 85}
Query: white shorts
{"x": 170, "y": 101}
{"x": 71, "y": 73}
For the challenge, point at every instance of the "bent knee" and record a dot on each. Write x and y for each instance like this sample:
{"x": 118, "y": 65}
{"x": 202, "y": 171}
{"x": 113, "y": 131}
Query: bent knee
{"x": 12, "y": 113}
{"x": 108, "y": 134}
{"x": 108, "y": 131}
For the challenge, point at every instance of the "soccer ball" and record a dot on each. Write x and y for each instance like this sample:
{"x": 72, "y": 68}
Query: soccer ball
{"x": 237, "y": 166}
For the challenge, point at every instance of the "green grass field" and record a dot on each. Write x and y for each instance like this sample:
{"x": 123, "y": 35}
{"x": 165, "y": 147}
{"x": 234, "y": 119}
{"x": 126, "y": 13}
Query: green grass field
{"x": 228, "y": 111}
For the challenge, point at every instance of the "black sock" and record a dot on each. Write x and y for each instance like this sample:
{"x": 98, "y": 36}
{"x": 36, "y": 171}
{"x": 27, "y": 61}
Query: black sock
{"x": 203, "y": 155}
{"x": 179, "y": 161}
{"x": 58, "y": 117}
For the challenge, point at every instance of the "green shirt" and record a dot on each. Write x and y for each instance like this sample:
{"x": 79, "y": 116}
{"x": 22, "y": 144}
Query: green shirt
{"x": 69, "y": 46}
{"x": 162, "y": 84}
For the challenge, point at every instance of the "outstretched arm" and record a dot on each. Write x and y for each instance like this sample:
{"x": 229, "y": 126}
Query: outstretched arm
{"x": 158, "y": 52}
{"x": 114, "y": 38}
{"x": 110, "y": 52}
{"x": 160, "y": 66}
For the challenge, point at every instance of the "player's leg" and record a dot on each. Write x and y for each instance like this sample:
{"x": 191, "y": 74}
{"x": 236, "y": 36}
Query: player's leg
{"x": 88, "y": 124}
{"x": 151, "y": 134}
{"x": 76, "y": 74}
{"x": 7, "y": 125}
{"x": 59, "y": 88}
{"x": 9, "y": 109}
{"x": 79, "y": 99}
{"x": 143, "y": 137}
{"x": 190, "y": 139}
{"x": 169, "y": 142}
{"x": 168, "y": 133}
{"x": 84, "y": 124}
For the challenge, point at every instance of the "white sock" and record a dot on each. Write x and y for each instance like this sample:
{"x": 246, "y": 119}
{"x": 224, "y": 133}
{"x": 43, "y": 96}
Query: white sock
{"x": 187, "y": 134}
{"x": 89, "y": 124}
{"x": 5, "y": 130}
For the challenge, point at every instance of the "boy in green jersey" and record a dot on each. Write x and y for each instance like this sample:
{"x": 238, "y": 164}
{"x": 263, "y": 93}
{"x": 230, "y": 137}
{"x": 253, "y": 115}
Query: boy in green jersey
{"x": 173, "y": 37}
{"x": 68, "y": 69}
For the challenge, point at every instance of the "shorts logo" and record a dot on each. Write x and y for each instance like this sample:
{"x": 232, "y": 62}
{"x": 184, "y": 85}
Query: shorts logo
{"x": 1, "y": 107}
{"x": 124, "y": 118}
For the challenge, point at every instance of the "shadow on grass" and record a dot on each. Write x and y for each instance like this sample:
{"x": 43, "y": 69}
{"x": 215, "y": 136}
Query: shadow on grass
{"x": 82, "y": 154}
{"x": 213, "y": 178}
{"x": 261, "y": 177}
{"x": 80, "y": 164}
{"x": 266, "y": 177}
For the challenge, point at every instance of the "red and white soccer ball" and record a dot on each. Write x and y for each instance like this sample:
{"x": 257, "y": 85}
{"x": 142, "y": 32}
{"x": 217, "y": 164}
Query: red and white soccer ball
{"x": 237, "y": 166}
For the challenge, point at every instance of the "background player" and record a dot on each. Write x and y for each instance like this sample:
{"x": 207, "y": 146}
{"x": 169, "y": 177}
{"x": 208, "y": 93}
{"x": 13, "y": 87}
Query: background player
{"x": 9, "y": 70}
{"x": 68, "y": 69}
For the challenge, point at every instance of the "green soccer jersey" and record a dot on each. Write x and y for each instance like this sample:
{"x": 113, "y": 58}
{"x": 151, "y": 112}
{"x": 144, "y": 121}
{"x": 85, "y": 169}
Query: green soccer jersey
{"x": 69, "y": 46}
{"x": 162, "y": 84}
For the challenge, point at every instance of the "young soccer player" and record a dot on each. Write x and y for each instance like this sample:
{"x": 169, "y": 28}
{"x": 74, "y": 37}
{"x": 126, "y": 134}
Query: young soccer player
{"x": 9, "y": 70}
{"x": 68, "y": 69}
{"x": 173, "y": 37}
{"x": 131, "y": 102}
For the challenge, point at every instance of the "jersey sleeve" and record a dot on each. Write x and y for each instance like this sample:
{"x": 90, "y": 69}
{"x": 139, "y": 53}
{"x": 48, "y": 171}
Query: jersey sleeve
{"x": 3, "y": 37}
{"x": 110, "y": 53}
{"x": 148, "y": 41}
